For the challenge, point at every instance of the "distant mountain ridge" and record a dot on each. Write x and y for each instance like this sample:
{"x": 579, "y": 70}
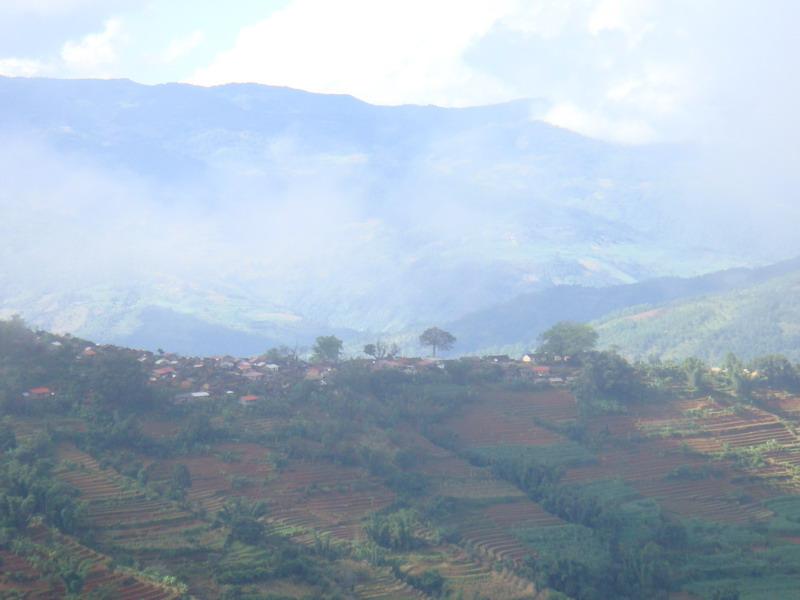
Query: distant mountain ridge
{"x": 273, "y": 213}
{"x": 516, "y": 324}
{"x": 751, "y": 320}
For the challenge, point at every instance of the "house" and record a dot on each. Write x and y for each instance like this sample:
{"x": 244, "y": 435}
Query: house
{"x": 40, "y": 393}
{"x": 249, "y": 400}
{"x": 528, "y": 357}
{"x": 88, "y": 351}
{"x": 164, "y": 372}
{"x": 185, "y": 398}
{"x": 540, "y": 370}
{"x": 314, "y": 374}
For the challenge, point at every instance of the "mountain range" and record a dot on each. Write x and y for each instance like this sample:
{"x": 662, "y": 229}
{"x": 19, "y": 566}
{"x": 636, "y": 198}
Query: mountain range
{"x": 229, "y": 219}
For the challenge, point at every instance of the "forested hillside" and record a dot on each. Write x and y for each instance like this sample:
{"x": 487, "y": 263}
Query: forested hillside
{"x": 514, "y": 326}
{"x": 752, "y": 321}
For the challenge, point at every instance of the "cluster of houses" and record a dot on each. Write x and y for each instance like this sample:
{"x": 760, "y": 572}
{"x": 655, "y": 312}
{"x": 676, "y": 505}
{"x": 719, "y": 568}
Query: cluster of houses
{"x": 198, "y": 379}
{"x": 248, "y": 380}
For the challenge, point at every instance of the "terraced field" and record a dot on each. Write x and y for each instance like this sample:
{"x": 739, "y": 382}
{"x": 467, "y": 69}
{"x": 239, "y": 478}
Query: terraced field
{"x": 452, "y": 476}
{"x": 383, "y": 585}
{"x": 226, "y": 470}
{"x": 501, "y": 418}
{"x": 19, "y": 575}
{"x": 551, "y": 406}
{"x": 124, "y": 517}
{"x": 323, "y": 498}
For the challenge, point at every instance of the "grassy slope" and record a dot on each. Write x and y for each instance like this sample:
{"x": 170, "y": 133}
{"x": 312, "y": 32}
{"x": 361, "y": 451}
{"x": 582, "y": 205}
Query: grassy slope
{"x": 514, "y": 326}
{"x": 753, "y": 321}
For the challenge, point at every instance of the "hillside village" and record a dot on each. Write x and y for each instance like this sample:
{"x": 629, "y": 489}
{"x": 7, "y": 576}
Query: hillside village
{"x": 133, "y": 474}
{"x": 187, "y": 380}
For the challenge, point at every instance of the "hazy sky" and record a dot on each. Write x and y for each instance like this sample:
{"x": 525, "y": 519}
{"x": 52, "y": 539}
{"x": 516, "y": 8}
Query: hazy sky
{"x": 625, "y": 70}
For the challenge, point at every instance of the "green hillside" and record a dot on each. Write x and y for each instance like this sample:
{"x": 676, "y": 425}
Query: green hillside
{"x": 752, "y": 321}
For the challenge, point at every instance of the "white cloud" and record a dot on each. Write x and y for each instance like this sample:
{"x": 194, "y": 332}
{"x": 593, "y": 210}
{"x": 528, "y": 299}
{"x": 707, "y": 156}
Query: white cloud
{"x": 632, "y": 17}
{"x": 45, "y": 7}
{"x": 628, "y": 130}
{"x": 591, "y": 59}
{"x": 21, "y": 67}
{"x": 383, "y": 52}
{"x": 94, "y": 51}
{"x": 183, "y": 46}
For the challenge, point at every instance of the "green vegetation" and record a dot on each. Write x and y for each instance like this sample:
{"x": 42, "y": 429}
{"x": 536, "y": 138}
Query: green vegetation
{"x": 567, "y": 339}
{"x": 436, "y": 338}
{"x": 328, "y": 348}
{"x": 463, "y": 478}
{"x": 753, "y": 321}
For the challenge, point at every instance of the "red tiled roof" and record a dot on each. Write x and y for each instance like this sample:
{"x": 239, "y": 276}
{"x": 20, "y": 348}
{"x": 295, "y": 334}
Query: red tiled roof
{"x": 163, "y": 371}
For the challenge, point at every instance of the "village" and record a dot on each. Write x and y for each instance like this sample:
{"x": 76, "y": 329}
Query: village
{"x": 188, "y": 380}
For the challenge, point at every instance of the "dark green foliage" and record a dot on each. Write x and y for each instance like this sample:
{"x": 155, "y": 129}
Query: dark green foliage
{"x": 430, "y": 582}
{"x": 180, "y": 481}
{"x": 567, "y": 339}
{"x": 241, "y": 517}
{"x": 327, "y": 348}
{"x": 607, "y": 379}
{"x": 696, "y": 373}
{"x": 380, "y": 350}
{"x": 27, "y": 489}
{"x": 243, "y": 563}
{"x": 198, "y": 431}
{"x": 119, "y": 381}
{"x": 8, "y": 439}
{"x": 436, "y": 338}
{"x": 394, "y": 530}
{"x": 112, "y": 432}
{"x": 776, "y": 371}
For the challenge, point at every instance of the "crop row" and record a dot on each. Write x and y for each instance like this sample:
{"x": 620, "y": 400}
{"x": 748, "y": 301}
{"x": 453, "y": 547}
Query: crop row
{"x": 485, "y": 424}
{"x": 553, "y": 406}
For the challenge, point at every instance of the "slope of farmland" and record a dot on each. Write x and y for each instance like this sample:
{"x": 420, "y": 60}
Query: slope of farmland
{"x": 406, "y": 479}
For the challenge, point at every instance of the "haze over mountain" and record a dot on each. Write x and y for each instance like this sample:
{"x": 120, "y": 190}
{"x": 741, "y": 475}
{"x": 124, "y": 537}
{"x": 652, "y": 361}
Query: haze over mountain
{"x": 226, "y": 219}
{"x": 514, "y": 326}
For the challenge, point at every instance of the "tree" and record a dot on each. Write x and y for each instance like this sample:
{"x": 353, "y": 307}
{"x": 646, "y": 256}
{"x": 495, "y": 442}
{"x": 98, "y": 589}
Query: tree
{"x": 437, "y": 338}
{"x": 380, "y": 350}
{"x": 567, "y": 338}
{"x": 607, "y": 376}
{"x": 181, "y": 477}
{"x": 119, "y": 381}
{"x": 8, "y": 439}
{"x": 695, "y": 370}
{"x": 394, "y": 530}
{"x": 776, "y": 370}
{"x": 241, "y": 517}
{"x": 328, "y": 348}
{"x": 281, "y": 354}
